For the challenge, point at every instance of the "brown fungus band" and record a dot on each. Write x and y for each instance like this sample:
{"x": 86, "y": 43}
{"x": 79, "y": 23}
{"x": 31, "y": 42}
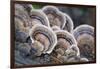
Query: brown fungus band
{"x": 39, "y": 17}
{"x": 69, "y": 24}
{"x": 47, "y": 33}
{"x": 64, "y": 40}
{"x": 22, "y": 14}
{"x": 56, "y": 18}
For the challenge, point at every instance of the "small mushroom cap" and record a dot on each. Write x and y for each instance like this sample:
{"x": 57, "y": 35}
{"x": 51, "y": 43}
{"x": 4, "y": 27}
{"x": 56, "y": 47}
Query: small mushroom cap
{"x": 28, "y": 7}
{"x": 45, "y": 32}
{"x": 72, "y": 60}
{"x": 84, "y": 60}
{"x": 49, "y": 8}
{"x": 69, "y": 24}
{"x": 39, "y": 17}
{"x": 56, "y": 18}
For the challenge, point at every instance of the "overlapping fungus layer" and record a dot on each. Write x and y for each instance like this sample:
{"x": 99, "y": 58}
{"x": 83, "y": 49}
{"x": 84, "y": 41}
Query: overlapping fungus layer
{"x": 46, "y": 36}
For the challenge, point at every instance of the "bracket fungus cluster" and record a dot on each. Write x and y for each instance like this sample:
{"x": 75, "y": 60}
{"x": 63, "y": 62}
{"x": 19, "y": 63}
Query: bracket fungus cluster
{"x": 48, "y": 33}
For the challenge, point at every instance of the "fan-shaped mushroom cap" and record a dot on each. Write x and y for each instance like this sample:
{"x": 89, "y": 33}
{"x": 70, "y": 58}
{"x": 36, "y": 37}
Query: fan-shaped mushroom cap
{"x": 73, "y": 60}
{"x": 64, "y": 41}
{"x": 21, "y": 36}
{"x": 39, "y": 17}
{"x": 69, "y": 24}
{"x": 22, "y": 47}
{"x": 50, "y": 9}
{"x": 83, "y": 29}
{"x": 44, "y": 35}
{"x": 84, "y": 60}
{"x": 56, "y": 18}
{"x": 28, "y": 7}
{"x": 84, "y": 35}
{"x": 22, "y": 16}
{"x": 66, "y": 35}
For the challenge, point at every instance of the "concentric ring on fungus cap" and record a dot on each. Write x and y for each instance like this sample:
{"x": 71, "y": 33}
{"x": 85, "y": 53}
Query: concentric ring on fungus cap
{"x": 40, "y": 16}
{"x": 54, "y": 11}
{"x": 22, "y": 23}
{"x": 28, "y": 7}
{"x": 67, "y": 36}
{"x": 69, "y": 23}
{"x": 84, "y": 35}
{"x": 83, "y": 29}
{"x": 22, "y": 14}
{"x": 47, "y": 32}
{"x": 64, "y": 41}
